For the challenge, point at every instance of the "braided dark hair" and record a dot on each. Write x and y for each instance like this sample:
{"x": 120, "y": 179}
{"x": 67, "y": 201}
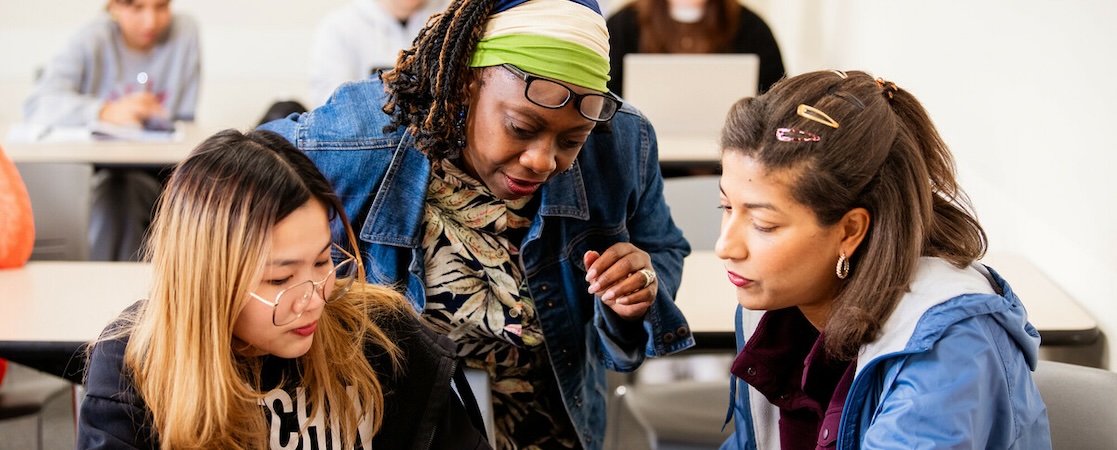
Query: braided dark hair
{"x": 427, "y": 87}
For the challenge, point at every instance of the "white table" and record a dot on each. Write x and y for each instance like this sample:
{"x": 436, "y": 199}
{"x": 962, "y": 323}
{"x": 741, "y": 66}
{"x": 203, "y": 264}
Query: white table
{"x": 689, "y": 154}
{"x": 673, "y": 149}
{"x": 688, "y": 148}
{"x": 708, "y": 300}
{"x": 110, "y": 152}
{"x": 51, "y": 308}
{"x": 59, "y": 170}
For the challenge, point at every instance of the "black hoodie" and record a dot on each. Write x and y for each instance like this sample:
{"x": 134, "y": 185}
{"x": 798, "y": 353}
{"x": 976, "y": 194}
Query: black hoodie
{"x": 421, "y": 411}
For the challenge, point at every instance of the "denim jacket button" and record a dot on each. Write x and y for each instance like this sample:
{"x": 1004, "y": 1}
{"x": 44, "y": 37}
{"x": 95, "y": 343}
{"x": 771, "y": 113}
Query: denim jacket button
{"x": 682, "y": 332}
{"x": 544, "y": 288}
{"x": 669, "y": 338}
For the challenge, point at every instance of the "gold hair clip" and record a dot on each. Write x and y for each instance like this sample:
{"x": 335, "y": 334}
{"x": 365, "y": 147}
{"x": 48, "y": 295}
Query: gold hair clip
{"x": 794, "y": 135}
{"x": 889, "y": 87}
{"x": 812, "y": 113}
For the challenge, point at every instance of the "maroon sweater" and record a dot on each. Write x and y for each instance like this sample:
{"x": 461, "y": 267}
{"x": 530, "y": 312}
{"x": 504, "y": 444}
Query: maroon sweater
{"x": 784, "y": 360}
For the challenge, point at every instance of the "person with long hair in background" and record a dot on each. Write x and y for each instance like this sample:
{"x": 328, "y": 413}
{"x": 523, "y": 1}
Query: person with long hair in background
{"x": 691, "y": 26}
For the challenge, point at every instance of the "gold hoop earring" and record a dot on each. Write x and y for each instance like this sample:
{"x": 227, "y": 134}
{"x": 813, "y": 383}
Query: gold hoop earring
{"x": 842, "y": 269}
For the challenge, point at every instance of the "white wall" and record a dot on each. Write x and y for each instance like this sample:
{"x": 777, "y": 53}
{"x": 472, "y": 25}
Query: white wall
{"x": 1020, "y": 89}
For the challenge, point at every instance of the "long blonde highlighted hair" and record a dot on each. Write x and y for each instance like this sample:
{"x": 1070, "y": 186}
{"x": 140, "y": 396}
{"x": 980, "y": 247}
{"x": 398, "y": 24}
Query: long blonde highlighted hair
{"x": 207, "y": 247}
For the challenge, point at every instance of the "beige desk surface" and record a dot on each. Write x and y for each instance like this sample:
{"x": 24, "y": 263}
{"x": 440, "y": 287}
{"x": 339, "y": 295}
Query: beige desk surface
{"x": 110, "y": 151}
{"x": 709, "y": 301}
{"x": 683, "y": 148}
{"x": 57, "y": 301}
{"x": 67, "y": 301}
{"x": 672, "y": 149}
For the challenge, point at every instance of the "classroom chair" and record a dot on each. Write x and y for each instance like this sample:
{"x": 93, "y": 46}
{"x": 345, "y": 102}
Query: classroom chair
{"x": 1080, "y": 405}
{"x": 694, "y": 204}
{"x": 624, "y": 428}
{"x": 60, "y": 200}
{"x": 26, "y": 396}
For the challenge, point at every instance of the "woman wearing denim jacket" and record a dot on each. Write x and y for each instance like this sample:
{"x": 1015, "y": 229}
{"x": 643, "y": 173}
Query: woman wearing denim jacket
{"x": 516, "y": 202}
{"x": 852, "y": 247}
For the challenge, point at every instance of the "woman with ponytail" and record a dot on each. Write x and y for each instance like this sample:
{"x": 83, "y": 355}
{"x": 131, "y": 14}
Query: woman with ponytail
{"x": 865, "y": 320}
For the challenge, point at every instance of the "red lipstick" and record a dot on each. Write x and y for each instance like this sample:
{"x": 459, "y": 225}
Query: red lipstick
{"x": 738, "y": 280}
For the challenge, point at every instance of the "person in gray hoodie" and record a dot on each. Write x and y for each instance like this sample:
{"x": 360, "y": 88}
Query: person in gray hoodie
{"x": 135, "y": 65}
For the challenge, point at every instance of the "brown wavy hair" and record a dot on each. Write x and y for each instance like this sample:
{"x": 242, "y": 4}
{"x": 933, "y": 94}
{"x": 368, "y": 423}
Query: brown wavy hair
{"x": 887, "y": 157}
{"x": 712, "y": 34}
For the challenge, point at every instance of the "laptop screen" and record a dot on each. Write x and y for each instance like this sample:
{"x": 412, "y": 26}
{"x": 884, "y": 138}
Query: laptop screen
{"x": 689, "y": 94}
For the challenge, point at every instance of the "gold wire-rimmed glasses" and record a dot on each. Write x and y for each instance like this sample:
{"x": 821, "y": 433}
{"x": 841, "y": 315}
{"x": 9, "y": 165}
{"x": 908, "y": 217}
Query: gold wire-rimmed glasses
{"x": 551, "y": 94}
{"x": 291, "y": 302}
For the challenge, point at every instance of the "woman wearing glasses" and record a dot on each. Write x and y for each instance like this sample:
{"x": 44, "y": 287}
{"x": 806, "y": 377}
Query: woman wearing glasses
{"x": 247, "y": 339}
{"x": 517, "y": 204}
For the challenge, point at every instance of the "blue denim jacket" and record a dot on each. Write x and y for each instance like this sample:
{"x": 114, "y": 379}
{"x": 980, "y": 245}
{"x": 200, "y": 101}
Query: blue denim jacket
{"x": 613, "y": 193}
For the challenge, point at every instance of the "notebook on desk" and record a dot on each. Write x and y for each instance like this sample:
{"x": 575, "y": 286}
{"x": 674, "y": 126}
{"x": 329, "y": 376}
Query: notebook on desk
{"x": 689, "y": 94}
{"x": 29, "y": 133}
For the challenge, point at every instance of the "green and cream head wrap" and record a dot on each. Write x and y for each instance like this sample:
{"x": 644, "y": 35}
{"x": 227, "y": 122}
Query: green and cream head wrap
{"x": 561, "y": 39}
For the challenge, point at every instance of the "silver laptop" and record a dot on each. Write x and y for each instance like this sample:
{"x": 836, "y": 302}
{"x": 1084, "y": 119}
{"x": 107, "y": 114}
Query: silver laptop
{"x": 688, "y": 94}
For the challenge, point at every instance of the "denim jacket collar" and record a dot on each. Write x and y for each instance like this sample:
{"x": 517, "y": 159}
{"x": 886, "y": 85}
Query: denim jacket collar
{"x": 565, "y": 195}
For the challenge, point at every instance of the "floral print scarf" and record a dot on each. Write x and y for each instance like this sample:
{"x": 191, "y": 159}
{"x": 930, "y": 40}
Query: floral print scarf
{"x": 477, "y": 295}
{"x": 473, "y": 273}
